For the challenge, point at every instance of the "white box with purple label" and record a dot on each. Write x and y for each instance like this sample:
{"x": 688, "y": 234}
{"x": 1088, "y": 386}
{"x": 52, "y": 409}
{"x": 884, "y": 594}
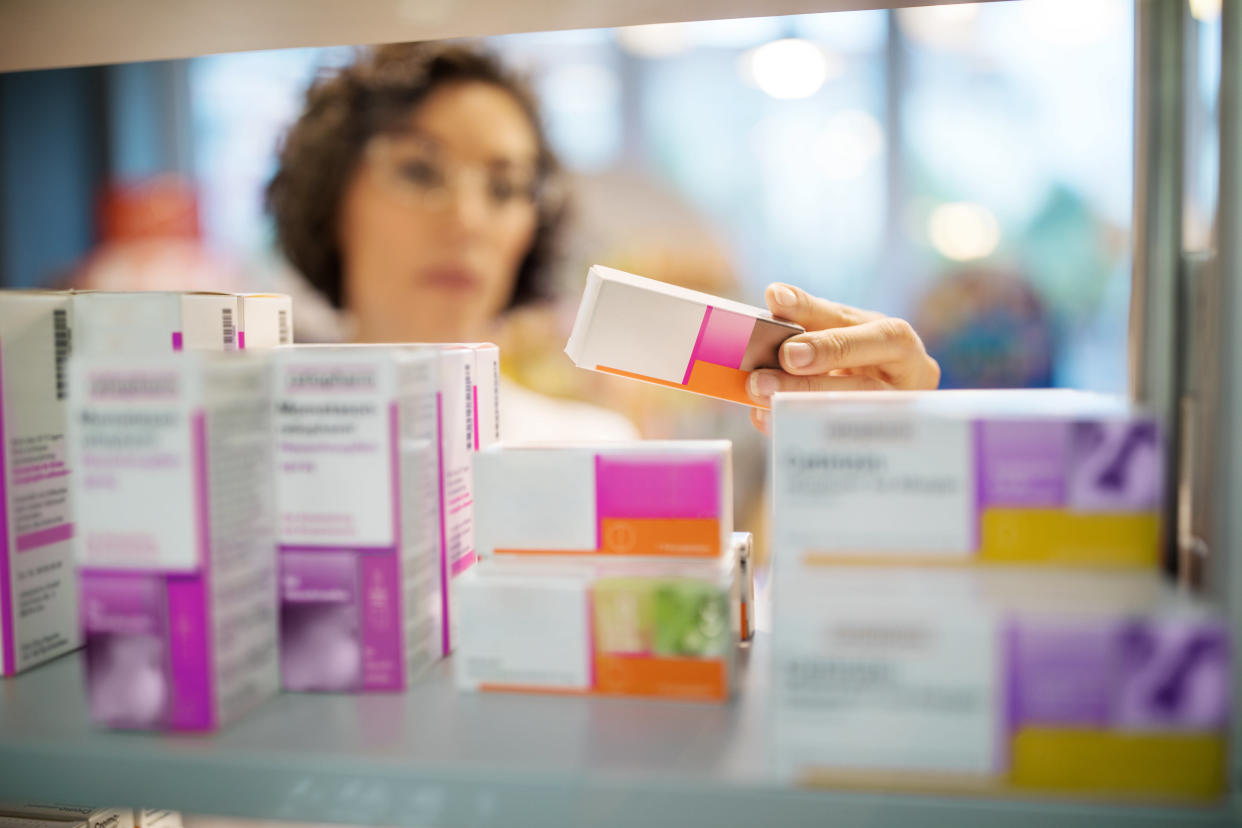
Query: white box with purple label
{"x": 175, "y": 542}
{"x": 154, "y": 322}
{"x": 357, "y": 516}
{"x": 1055, "y": 478}
{"x": 999, "y": 680}
{"x": 38, "y": 602}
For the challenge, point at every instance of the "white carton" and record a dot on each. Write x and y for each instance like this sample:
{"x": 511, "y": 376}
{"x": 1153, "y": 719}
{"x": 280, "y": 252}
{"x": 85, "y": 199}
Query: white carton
{"x": 652, "y": 627}
{"x": 175, "y": 543}
{"x": 1055, "y": 478}
{"x": 999, "y": 679}
{"x": 265, "y": 320}
{"x": 38, "y": 602}
{"x": 154, "y": 322}
{"x": 155, "y": 818}
{"x": 454, "y": 417}
{"x": 665, "y": 498}
{"x": 640, "y": 328}
{"x": 357, "y": 516}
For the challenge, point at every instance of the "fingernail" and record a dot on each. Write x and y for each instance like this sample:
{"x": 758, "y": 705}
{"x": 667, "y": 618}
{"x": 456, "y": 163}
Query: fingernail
{"x": 763, "y": 385}
{"x": 784, "y": 295}
{"x": 799, "y": 354}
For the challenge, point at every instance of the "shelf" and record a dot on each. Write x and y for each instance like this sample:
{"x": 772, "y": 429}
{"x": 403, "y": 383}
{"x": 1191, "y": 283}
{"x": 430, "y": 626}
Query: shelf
{"x": 38, "y": 34}
{"x": 437, "y": 757}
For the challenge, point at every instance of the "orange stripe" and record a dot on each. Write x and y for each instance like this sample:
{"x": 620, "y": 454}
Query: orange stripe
{"x": 680, "y": 537}
{"x": 721, "y": 382}
{"x": 706, "y": 378}
{"x": 545, "y": 551}
{"x": 543, "y": 691}
{"x": 677, "y": 678}
{"x": 744, "y": 634}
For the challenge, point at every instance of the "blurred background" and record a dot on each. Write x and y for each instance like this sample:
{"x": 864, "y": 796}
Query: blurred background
{"x": 967, "y": 167}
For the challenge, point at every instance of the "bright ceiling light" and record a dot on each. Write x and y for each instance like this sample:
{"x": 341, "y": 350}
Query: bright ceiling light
{"x": 963, "y": 232}
{"x": 789, "y": 68}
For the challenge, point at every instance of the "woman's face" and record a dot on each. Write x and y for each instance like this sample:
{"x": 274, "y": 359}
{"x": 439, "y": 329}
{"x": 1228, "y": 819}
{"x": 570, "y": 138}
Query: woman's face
{"x": 437, "y": 218}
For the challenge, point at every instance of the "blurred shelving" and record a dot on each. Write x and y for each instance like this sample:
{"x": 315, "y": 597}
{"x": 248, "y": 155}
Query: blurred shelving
{"x": 39, "y": 34}
{"x": 436, "y": 757}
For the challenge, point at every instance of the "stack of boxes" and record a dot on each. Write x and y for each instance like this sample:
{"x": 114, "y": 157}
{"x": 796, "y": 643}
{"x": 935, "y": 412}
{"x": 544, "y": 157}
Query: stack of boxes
{"x": 608, "y": 569}
{"x": 967, "y": 596}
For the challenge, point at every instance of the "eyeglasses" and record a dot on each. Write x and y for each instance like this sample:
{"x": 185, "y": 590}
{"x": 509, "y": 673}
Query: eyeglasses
{"x": 420, "y": 174}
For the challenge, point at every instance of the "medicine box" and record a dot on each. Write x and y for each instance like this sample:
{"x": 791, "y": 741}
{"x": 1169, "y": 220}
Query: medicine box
{"x": 175, "y": 542}
{"x": 639, "y": 328}
{"x": 154, "y": 322}
{"x": 1005, "y": 477}
{"x": 653, "y": 628}
{"x": 644, "y": 498}
{"x": 265, "y": 320}
{"x": 357, "y": 516}
{"x": 38, "y": 601}
{"x": 999, "y": 680}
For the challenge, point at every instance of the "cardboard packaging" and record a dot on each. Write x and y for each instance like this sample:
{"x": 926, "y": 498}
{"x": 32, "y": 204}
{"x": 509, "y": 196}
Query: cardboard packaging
{"x": 175, "y": 542}
{"x": 652, "y": 628}
{"x": 357, "y": 516}
{"x": 646, "y": 498}
{"x": 154, "y": 322}
{"x": 38, "y": 602}
{"x": 265, "y": 320}
{"x": 1008, "y": 681}
{"x": 1054, "y": 478}
{"x": 639, "y": 328}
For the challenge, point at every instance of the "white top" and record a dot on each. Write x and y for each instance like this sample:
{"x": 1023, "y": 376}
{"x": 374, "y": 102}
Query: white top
{"x": 527, "y": 416}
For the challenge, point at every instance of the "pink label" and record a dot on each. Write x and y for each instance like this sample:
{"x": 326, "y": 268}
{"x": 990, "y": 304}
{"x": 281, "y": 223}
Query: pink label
{"x": 7, "y": 639}
{"x": 381, "y": 623}
{"x": 724, "y": 338}
{"x": 176, "y": 340}
{"x": 658, "y": 486}
{"x": 241, "y": 340}
{"x": 53, "y": 534}
{"x": 189, "y": 651}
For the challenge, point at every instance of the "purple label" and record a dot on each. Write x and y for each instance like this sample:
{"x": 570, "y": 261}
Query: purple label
{"x": 1115, "y": 466}
{"x": 8, "y": 642}
{"x": 189, "y": 648}
{"x": 124, "y": 620}
{"x": 381, "y": 623}
{"x": 1134, "y": 674}
{"x": 320, "y": 637}
{"x": 1063, "y": 672}
{"x": 1022, "y": 463}
{"x": 340, "y": 620}
{"x": 657, "y": 486}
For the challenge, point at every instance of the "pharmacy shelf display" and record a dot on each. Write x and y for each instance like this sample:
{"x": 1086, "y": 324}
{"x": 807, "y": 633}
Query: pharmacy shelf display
{"x": 434, "y": 756}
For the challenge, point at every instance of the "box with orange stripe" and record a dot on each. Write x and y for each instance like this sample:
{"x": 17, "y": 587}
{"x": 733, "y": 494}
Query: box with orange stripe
{"x": 654, "y": 629}
{"x": 642, "y": 329}
{"x": 649, "y": 499}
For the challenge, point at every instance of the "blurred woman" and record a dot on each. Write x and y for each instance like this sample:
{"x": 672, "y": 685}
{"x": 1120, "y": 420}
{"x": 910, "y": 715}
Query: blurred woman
{"x": 417, "y": 192}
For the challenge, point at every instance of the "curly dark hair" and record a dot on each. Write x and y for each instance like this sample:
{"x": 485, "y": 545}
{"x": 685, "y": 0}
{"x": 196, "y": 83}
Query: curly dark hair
{"x": 374, "y": 95}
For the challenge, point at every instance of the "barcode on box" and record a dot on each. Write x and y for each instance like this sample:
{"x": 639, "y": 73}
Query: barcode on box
{"x": 230, "y": 331}
{"x": 60, "y": 339}
{"x": 283, "y": 334}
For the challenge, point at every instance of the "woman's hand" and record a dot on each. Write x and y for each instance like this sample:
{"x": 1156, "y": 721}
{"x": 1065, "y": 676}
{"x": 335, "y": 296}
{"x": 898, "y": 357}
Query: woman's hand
{"x": 843, "y": 349}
